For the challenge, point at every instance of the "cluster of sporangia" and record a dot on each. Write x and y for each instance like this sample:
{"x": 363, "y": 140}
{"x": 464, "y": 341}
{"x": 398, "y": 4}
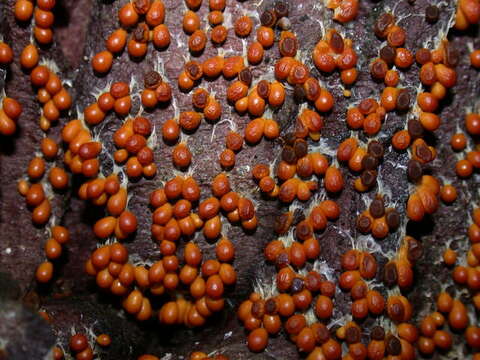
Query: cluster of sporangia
{"x": 296, "y": 160}
{"x": 131, "y": 140}
{"x": 79, "y": 345}
{"x": 197, "y": 285}
{"x": 41, "y": 10}
{"x": 9, "y": 113}
{"x": 361, "y": 160}
{"x": 377, "y": 220}
{"x": 143, "y": 19}
{"x": 295, "y": 289}
{"x": 203, "y": 281}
